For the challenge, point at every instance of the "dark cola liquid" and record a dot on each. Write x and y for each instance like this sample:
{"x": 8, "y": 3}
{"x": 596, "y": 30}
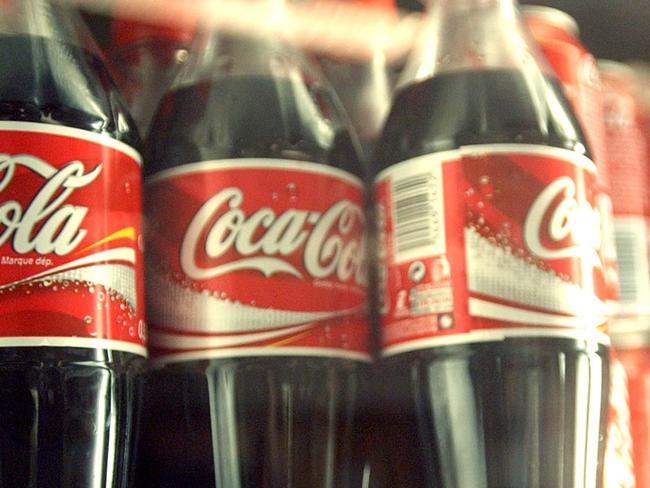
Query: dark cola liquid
{"x": 521, "y": 413}
{"x": 256, "y": 421}
{"x": 66, "y": 414}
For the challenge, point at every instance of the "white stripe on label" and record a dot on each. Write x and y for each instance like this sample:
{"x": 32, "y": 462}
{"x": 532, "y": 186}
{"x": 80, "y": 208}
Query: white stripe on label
{"x": 314, "y": 352}
{"x": 82, "y": 342}
{"x": 496, "y": 311}
{"x": 497, "y": 335}
{"x": 255, "y": 163}
{"x": 166, "y": 340}
{"x": 118, "y": 254}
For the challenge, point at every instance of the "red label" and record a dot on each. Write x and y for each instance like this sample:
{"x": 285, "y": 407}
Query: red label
{"x": 488, "y": 242}
{"x": 70, "y": 263}
{"x": 627, "y": 157}
{"x": 256, "y": 257}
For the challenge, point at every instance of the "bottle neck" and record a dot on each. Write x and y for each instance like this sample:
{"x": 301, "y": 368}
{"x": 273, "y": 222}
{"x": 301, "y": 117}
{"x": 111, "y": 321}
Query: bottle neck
{"x": 471, "y": 5}
{"x": 471, "y": 35}
{"x": 46, "y": 19}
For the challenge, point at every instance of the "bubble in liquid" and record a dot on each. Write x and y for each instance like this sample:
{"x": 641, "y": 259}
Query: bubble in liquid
{"x": 47, "y": 282}
{"x": 480, "y": 204}
{"x": 131, "y": 331}
{"x": 91, "y": 289}
{"x": 292, "y": 189}
{"x": 101, "y": 296}
{"x": 88, "y": 319}
{"x": 484, "y": 180}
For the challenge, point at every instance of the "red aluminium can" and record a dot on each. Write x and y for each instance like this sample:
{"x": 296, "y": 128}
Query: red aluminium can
{"x": 557, "y": 35}
{"x": 618, "y": 470}
{"x": 628, "y": 158}
{"x": 633, "y": 350}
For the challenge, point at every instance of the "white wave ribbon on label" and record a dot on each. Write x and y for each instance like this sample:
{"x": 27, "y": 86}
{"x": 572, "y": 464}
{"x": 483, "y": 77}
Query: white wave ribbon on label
{"x": 95, "y": 269}
{"x": 180, "y": 308}
{"x": 495, "y": 272}
{"x": 167, "y": 340}
{"x": 118, "y": 254}
{"x": 117, "y": 277}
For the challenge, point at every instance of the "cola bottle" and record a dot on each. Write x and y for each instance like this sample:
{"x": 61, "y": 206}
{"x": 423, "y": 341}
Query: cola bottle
{"x": 71, "y": 289}
{"x": 491, "y": 273}
{"x": 254, "y": 206}
{"x": 145, "y": 59}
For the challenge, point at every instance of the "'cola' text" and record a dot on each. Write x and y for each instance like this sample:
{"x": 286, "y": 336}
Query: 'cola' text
{"x": 46, "y": 224}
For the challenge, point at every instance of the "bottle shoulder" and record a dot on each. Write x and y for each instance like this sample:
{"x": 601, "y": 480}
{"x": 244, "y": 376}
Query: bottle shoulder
{"x": 250, "y": 117}
{"x": 58, "y": 83}
{"x": 477, "y": 107}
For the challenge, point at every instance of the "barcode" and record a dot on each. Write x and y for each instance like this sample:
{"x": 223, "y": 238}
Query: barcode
{"x": 416, "y": 207}
{"x": 634, "y": 293}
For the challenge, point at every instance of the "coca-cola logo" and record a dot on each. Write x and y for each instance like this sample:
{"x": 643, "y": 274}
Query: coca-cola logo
{"x": 46, "y": 224}
{"x": 562, "y": 224}
{"x": 331, "y": 242}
